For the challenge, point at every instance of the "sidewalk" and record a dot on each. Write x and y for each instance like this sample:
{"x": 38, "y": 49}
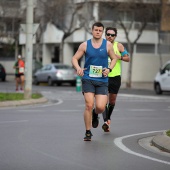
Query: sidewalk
{"x": 23, "y": 102}
{"x": 140, "y": 85}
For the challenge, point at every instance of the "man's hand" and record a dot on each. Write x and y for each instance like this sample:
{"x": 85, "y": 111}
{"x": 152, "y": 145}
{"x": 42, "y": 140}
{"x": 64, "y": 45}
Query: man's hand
{"x": 80, "y": 71}
{"x": 105, "y": 72}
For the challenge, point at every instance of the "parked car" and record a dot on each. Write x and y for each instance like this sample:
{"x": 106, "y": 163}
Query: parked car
{"x": 55, "y": 73}
{"x": 162, "y": 79}
{"x": 36, "y": 65}
{"x": 2, "y": 73}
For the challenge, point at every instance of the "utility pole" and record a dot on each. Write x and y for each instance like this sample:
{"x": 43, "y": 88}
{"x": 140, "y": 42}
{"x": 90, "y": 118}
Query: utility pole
{"x": 29, "y": 49}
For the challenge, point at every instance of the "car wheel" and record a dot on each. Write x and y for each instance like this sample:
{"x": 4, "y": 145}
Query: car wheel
{"x": 73, "y": 84}
{"x": 50, "y": 82}
{"x": 36, "y": 81}
{"x": 58, "y": 84}
{"x": 4, "y": 79}
{"x": 158, "y": 88}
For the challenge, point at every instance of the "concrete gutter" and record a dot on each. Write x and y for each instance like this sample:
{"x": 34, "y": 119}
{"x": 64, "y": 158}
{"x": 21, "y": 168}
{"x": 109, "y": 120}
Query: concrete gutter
{"x": 23, "y": 102}
{"x": 162, "y": 142}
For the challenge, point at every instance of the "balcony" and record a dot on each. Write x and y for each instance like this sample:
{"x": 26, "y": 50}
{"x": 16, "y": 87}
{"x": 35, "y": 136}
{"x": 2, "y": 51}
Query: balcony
{"x": 135, "y": 25}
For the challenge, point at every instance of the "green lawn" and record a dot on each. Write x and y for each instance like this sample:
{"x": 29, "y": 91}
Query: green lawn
{"x": 168, "y": 133}
{"x": 16, "y": 96}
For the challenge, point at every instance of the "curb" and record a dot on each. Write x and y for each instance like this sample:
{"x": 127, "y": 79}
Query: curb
{"x": 23, "y": 102}
{"x": 162, "y": 142}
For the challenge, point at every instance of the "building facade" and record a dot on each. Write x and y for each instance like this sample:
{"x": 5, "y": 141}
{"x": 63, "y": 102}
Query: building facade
{"x": 149, "y": 53}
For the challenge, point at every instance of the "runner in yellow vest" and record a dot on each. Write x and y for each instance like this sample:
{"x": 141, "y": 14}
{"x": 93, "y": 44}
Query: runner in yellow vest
{"x": 114, "y": 76}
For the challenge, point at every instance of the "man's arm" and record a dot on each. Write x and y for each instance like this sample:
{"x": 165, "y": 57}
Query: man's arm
{"x": 124, "y": 54}
{"x": 15, "y": 65}
{"x": 112, "y": 55}
{"x": 80, "y": 52}
{"x": 113, "y": 58}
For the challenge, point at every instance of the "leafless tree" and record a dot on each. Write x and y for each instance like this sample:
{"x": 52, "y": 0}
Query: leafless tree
{"x": 137, "y": 11}
{"x": 61, "y": 13}
{"x": 9, "y": 28}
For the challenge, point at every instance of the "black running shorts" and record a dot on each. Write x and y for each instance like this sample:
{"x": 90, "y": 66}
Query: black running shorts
{"x": 114, "y": 84}
{"x": 19, "y": 75}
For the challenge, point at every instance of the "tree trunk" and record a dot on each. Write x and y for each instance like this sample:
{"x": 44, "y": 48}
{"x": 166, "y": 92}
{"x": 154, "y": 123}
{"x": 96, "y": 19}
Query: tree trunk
{"x": 129, "y": 79}
{"x": 16, "y": 49}
{"x": 61, "y": 51}
{"x": 37, "y": 51}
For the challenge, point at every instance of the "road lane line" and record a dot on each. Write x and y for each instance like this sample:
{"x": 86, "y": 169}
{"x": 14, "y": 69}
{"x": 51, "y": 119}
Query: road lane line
{"x": 141, "y": 110}
{"x": 119, "y": 144}
{"x": 17, "y": 121}
{"x": 143, "y": 96}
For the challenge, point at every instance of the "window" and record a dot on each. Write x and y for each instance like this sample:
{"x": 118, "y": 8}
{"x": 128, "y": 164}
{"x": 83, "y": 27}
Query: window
{"x": 145, "y": 48}
{"x": 167, "y": 68}
{"x": 164, "y": 49}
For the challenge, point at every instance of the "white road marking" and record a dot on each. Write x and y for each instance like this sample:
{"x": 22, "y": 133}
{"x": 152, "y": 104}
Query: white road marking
{"x": 143, "y": 96}
{"x": 141, "y": 110}
{"x": 16, "y": 121}
{"x": 167, "y": 110}
{"x": 118, "y": 143}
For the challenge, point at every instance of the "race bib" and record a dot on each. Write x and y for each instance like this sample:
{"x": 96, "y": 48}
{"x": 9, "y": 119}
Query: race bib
{"x": 95, "y": 71}
{"x": 21, "y": 70}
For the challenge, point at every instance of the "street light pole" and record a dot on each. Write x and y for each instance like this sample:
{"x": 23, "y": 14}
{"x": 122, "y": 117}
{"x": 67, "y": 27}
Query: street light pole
{"x": 29, "y": 49}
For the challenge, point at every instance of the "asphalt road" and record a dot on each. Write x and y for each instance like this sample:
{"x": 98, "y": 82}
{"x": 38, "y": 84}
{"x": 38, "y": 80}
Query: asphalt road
{"x": 50, "y": 136}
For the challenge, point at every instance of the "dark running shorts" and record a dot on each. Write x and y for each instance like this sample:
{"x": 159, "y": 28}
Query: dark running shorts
{"x": 18, "y": 75}
{"x": 114, "y": 84}
{"x": 95, "y": 87}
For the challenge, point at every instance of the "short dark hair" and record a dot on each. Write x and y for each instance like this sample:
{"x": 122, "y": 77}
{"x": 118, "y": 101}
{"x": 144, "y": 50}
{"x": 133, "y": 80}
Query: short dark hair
{"x": 97, "y": 24}
{"x": 111, "y": 28}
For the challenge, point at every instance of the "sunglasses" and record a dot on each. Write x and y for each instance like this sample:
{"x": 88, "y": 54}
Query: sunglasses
{"x": 112, "y": 35}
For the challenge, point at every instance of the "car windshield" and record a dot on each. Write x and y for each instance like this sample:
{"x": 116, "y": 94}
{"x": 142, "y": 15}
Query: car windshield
{"x": 62, "y": 67}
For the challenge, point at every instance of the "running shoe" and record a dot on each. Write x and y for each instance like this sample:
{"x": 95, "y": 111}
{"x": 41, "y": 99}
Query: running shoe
{"x": 106, "y": 126}
{"x": 88, "y": 136}
{"x": 95, "y": 119}
{"x": 21, "y": 90}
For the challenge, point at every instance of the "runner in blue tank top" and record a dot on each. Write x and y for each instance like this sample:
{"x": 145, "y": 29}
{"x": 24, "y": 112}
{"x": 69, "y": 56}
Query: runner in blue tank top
{"x": 94, "y": 75}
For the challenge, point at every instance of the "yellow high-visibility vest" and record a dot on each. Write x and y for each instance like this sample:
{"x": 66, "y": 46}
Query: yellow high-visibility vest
{"x": 116, "y": 71}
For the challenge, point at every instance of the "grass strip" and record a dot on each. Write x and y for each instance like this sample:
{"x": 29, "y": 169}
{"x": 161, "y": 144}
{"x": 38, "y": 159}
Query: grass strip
{"x": 168, "y": 133}
{"x": 17, "y": 96}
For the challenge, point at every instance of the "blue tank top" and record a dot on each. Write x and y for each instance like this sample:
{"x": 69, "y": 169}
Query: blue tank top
{"x": 95, "y": 59}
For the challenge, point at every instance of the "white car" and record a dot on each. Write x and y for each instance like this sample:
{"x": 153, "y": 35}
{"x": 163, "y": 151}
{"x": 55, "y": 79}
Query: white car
{"x": 162, "y": 79}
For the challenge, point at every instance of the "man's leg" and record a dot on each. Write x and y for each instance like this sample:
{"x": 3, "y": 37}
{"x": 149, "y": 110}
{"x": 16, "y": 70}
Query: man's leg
{"x": 114, "y": 86}
{"x": 101, "y": 101}
{"x": 17, "y": 82}
{"x": 105, "y": 114}
{"x": 22, "y": 79}
{"x": 89, "y": 104}
{"x": 101, "y": 93}
{"x": 111, "y": 105}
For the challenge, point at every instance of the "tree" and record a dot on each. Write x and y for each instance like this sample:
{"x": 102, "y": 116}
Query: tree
{"x": 9, "y": 28}
{"x": 126, "y": 14}
{"x": 62, "y": 14}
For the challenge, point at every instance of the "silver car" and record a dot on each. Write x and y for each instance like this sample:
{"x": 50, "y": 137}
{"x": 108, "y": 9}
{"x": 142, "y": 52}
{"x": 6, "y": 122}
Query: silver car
{"x": 55, "y": 73}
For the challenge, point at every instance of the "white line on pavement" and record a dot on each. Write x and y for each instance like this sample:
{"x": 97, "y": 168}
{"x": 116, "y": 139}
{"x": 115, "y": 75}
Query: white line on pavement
{"x": 141, "y": 110}
{"x": 143, "y": 96}
{"x": 17, "y": 121}
{"x": 118, "y": 143}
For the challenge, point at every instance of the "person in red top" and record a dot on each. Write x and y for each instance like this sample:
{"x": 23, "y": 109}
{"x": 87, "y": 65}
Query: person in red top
{"x": 19, "y": 73}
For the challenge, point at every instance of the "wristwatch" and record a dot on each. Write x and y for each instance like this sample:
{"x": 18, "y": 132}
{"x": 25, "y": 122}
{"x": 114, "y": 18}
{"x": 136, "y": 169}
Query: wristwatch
{"x": 110, "y": 69}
